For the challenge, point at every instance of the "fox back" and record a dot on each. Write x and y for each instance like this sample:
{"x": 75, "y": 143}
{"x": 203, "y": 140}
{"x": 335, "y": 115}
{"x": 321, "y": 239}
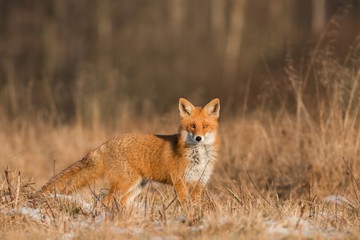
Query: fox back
{"x": 129, "y": 161}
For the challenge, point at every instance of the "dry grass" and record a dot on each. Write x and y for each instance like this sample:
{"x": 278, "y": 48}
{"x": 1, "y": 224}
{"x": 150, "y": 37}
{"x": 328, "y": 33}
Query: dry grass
{"x": 266, "y": 185}
{"x": 282, "y": 174}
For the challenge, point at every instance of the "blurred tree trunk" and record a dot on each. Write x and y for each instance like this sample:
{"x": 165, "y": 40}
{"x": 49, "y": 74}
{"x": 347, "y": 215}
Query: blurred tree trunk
{"x": 104, "y": 32}
{"x": 177, "y": 13}
{"x": 234, "y": 37}
{"x": 318, "y": 16}
{"x": 281, "y": 18}
{"x": 218, "y": 23}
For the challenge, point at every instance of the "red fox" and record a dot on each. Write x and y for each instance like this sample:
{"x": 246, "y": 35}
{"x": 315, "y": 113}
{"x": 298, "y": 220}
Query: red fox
{"x": 184, "y": 160}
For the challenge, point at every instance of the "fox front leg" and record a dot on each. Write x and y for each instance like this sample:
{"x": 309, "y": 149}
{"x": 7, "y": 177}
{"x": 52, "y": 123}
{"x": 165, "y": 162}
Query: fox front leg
{"x": 181, "y": 192}
{"x": 197, "y": 192}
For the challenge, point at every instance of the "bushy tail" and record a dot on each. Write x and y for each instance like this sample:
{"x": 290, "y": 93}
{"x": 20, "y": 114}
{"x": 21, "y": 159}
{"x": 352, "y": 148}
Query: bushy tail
{"x": 76, "y": 175}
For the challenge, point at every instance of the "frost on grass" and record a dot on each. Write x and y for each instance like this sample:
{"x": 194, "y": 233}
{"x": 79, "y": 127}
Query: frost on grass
{"x": 33, "y": 213}
{"x": 145, "y": 218}
{"x": 340, "y": 200}
{"x": 295, "y": 226}
{"x": 85, "y": 206}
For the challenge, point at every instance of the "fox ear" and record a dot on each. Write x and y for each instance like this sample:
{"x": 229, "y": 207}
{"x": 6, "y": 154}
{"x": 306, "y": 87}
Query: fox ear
{"x": 213, "y": 108}
{"x": 185, "y": 108}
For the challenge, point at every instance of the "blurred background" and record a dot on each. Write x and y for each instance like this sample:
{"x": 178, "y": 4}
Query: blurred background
{"x": 76, "y": 61}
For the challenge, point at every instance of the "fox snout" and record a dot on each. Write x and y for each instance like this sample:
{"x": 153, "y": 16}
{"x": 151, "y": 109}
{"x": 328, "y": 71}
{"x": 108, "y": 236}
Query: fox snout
{"x": 191, "y": 138}
{"x": 197, "y": 138}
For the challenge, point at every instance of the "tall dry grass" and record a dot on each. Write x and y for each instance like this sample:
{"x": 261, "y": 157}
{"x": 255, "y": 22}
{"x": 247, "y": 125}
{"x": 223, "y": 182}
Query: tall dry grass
{"x": 289, "y": 172}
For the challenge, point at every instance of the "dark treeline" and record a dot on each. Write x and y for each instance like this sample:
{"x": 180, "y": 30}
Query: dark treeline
{"x": 63, "y": 59}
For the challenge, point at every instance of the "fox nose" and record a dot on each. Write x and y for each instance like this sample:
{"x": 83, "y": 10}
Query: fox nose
{"x": 198, "y": 138}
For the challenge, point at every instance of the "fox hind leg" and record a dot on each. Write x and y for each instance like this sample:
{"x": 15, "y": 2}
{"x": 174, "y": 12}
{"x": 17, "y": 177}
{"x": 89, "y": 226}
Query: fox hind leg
{"x": 109, "y": 199}
{"x": 133, "y": 192}
{"x": 127, "y": 190}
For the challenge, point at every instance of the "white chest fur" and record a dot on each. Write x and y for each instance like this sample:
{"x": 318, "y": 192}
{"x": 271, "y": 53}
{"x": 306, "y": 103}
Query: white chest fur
{"x": 201, "y": 160}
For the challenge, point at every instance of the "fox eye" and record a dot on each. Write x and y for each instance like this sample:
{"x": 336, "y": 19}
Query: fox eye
{"x": 205, "y": 126}
{"x": 192, "y": 126}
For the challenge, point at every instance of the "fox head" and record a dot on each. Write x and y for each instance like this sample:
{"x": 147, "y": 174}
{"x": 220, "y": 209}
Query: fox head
{"x": 199, "y": 125}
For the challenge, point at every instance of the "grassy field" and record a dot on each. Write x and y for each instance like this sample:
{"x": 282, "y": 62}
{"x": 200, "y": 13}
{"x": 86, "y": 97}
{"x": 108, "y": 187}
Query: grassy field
{"x": 277, "y": 176}
{"x": 282, "y": 173}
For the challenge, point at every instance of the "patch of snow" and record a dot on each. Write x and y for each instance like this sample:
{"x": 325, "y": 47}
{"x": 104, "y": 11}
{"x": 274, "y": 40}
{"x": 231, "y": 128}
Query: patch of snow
{"x": 33, "y": 213}
{"x": 68, "y": 236}
{"x": 100, "y": 218}
{"x": 197, "y": 228}
{"x": 87, "y": 207}
{"x": 276, "y": 228}
{"x": 181, "y": 219}
{"x": 338, "y": 199}
{"x": 292, "y": 226}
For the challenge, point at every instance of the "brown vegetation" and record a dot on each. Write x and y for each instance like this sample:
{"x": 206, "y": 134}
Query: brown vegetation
{"x": 289, "y": 165}
{"x": 280, "y": 173}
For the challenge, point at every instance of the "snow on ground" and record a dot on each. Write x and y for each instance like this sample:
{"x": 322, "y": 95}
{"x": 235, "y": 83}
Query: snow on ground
{"x": 294, "y": 226}
{"x": 85, "y": 206}
{"x": 33, "y": 213}
{"x": 340, "y": 200}
{"x": 284, "y": 227}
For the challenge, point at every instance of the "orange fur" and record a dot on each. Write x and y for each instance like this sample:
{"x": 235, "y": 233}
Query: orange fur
{"x": 184, "y": 160}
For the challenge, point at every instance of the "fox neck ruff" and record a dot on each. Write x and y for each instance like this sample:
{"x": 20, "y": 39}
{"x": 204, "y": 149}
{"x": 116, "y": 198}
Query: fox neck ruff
{"x": 201, "y": 159}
